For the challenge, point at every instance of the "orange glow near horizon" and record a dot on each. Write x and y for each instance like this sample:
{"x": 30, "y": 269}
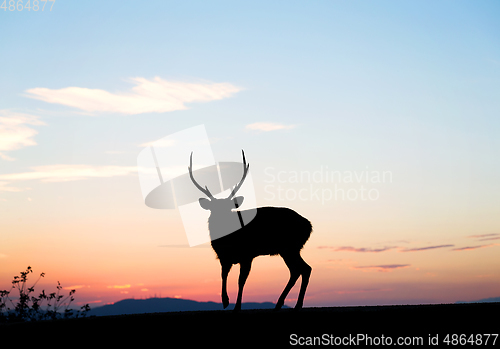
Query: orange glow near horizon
{"x": 342, "y": 274}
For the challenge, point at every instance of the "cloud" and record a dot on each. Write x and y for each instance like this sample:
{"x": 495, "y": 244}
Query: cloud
{"x": 425, "y": 248}
{"x": 97, "y": 301}
{"x": 384, "y": 268}
{"x": 468, "y": 248}
{"x": 488, "y": 239}
{"x": 147, "y": 96}
{"x": 14, "y": 134}
{"x": 364, "y": 290}
{"x": 4, "y": 187}
{"x": 338, "y": 260}
{"x": 482, "y": 235}
{"x": 65, "y": 173}
{"x": 485, "y": 237}
{"x": 120, "y": 286}
{"x": 362, "y": 249}
{"x": 75, "y": 287}
{"x": 382, "y": 249}
{"x": 268, "y": 126}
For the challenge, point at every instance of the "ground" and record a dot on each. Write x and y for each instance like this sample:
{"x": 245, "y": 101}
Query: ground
{"x": 443, "y": 324}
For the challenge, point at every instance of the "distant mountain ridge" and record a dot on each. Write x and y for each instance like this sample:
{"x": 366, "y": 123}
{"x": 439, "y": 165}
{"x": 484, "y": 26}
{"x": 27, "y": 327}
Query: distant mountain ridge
{"x": 484, "y": 300}
{"x": 166, "y": 304}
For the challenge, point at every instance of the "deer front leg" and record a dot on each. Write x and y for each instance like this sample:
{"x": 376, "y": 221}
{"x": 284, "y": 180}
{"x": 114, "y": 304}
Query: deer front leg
{"x": 244, "y": 271}
{"x": 226, "y": 267}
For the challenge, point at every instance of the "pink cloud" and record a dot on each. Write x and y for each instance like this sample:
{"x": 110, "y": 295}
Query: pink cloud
{"x": 468, "y": 248}
{"x": 384, "y": 268}
{"x": 425, "y": 248}
{"x": 362, "y": 249}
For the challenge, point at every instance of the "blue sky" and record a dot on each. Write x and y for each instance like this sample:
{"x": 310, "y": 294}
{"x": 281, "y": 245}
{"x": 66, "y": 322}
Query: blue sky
{"x": 407, "y": 87}
{"x": 335, "y": 64}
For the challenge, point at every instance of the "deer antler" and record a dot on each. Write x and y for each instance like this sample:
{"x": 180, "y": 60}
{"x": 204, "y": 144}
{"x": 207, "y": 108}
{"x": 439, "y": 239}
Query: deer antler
{"x": 190, "y": 168}
{"x": 245, "y": 171}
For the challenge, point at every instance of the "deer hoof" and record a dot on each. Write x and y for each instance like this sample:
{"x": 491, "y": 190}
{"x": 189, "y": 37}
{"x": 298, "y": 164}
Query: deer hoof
{"x": 297, "y": 307}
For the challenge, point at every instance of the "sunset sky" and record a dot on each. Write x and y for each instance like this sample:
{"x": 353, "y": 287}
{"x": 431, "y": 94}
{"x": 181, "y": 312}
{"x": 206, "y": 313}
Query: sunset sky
{"x": 376, "y": 120}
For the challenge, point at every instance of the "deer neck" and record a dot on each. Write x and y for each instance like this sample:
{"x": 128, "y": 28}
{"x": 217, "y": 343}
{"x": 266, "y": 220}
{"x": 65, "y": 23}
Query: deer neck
{"x": 221, "y": 224}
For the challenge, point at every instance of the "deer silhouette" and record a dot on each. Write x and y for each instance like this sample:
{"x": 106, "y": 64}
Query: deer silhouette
{"x": 273, "y": 231}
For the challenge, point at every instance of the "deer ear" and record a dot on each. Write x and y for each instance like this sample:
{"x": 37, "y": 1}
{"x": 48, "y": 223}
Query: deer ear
{"x": 204, "y": 203}
{"x": 238, "y": 201}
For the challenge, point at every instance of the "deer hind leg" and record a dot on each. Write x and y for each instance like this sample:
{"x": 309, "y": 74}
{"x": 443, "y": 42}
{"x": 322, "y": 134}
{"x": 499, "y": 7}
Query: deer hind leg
{"x": 298, "y": 267}
{"x": 226, "y": 267}
{"x": 244, "y": 271}
{"x": 306, "y": 273}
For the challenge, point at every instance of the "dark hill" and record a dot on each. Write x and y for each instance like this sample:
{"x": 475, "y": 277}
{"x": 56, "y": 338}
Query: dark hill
{"x": 161, "y": 305}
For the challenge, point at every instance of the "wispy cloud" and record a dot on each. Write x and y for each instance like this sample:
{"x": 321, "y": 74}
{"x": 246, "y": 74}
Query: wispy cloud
{"x": 468, "y": 248}
{"x": 364, "y": 290}
{"x": 97, "y": 301}
{"x": 488, "y": 239}
{"x": 361, "y": 249}
{"x": 120, "y": 286}
{"x": 75, "y": 287}
{"x": 425, "y": 248}
{"x": 147, "y": 96}
{"x": 384, "y": 268}
{"x": 14, "y": 132}
{"x": 64, "y": 173}
{"x": 268, "y": 126}
{"x": 4, "y": 186}
{"x": 485, "y": 237}
{"x": 338, "y": 260}
{"x": 383, "y": 249}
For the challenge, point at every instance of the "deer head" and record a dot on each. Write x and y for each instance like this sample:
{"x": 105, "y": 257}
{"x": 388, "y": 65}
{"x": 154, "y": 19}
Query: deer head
{"x": 220, "y": 205}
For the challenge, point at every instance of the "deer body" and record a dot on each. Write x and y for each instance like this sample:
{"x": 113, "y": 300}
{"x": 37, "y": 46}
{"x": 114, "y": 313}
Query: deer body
{"x": 273, "y": 231}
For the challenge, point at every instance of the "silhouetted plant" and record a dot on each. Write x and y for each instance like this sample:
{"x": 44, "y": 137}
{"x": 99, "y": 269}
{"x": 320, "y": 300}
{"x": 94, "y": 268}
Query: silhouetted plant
{"x": 30, "y": 308}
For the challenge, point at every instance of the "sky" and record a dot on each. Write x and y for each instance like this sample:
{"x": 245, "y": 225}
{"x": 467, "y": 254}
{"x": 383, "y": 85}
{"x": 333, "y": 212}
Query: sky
{"x": 378, "y": 121}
